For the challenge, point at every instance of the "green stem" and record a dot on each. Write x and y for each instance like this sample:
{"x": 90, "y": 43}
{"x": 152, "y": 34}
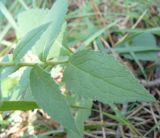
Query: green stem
{"x": 21, "y": 64}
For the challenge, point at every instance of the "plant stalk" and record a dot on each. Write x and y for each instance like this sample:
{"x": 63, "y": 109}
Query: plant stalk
{"x": 21, "y": 64}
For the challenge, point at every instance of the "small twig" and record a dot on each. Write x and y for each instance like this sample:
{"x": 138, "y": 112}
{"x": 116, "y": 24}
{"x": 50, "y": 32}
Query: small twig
{"x": 115, "y": 55}
{"x": 108, "y": 46}
{"x": 101, "y": 117}
{"x": 91, "y": 135}
{"x": 119, "y": 131}
{"x": 150, "y": 84}
{"x": 154, "y": 115}
{"x": 101, "y": 18}
{"x": 135, "y": 111}
{"x": 134, "y": 26}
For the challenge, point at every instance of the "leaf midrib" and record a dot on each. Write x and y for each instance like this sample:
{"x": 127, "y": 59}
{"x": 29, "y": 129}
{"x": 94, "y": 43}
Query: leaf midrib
{"x": 41, "y": 79}
{"x": 33, "y": 37}
{"x": 100, "y": 78}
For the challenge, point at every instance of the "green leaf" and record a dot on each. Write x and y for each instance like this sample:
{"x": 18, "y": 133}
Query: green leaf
{"x": 6, "y": 71}
{"x": 48, "y": 96}
{"x": 17, "y": 105}
{"x": 6, "y": 83}
{"x": 30, "y": 19}
{"x": 56, "y": 15}
{"x": 100, "y": 77}
{"x": 7, "y": 86}
{"x": 81, "y": 115}
{"x": 22, "y": 90}
{"x": 146, "y": 40}
{"x": 28, "y": 41}
{"x": 58, "y": 49}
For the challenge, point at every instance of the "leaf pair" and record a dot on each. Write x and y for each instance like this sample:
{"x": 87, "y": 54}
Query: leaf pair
{"x": 47, "y": 29}
{"x": 92, "y": 75}
{"x": 44, "y": 90}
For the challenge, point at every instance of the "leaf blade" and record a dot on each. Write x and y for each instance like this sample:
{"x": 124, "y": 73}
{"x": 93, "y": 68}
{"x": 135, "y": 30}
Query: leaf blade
{"x": 28, "y": 41}
{"x": 57, "y": 14}
{"x": 100, "y": 77}
{"x": 17, "y": 105}
{"x": 146, "y": 41}
{"x": 45, "y": 91}
{"x": 80, "y": 117}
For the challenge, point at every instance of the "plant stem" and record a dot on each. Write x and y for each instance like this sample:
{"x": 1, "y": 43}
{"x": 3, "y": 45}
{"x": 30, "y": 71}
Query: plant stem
{"x": 21, "y": 64}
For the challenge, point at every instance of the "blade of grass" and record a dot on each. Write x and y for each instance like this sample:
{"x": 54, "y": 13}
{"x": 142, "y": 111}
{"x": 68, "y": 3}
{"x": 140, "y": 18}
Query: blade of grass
{"x": 133, "y": 49}
{"x": 23, "y": 4}
{"x": 8, "y": 16}
{"x": 134, "y": 26}
{"x": 139, "y": 30}
{"x": 122, "y": 120}
{"x": 95, "y": 35}
{"x": 138, "y": 63}
{"x": 152, "y": 129}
